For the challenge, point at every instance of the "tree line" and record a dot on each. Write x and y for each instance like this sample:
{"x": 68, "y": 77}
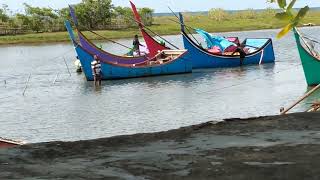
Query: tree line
{"x": 92, "y": 14}
{"x": 219, "y": 14}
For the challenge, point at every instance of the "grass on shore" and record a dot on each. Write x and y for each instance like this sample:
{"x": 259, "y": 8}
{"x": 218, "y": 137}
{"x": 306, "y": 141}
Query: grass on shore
{"x": 164, "y": 26}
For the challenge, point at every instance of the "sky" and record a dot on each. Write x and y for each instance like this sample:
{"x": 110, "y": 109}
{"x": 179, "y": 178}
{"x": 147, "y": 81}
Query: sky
{"x": 162, "y": 5}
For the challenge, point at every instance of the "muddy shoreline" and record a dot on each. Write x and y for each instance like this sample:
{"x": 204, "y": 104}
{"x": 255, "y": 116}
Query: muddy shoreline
{"x": 276, "y": 147}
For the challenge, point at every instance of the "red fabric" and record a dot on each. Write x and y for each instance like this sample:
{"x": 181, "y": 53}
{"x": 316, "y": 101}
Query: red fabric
{"x": 234, "y": 40}
{"x": 136, "y": 14}
{"x": 153, "y": 45}
{"x": 230, "y": 49}
{"x": 215, "y": 50}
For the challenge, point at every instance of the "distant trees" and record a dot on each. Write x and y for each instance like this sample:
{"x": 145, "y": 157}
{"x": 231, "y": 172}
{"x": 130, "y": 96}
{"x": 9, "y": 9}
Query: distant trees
{"x": 92, "y": 14}
{"x": 123, "y": 15}
{"x": 40, "y": 19}
{"x": 3, "y": 14}
{"x": 218, "y": 14}
{"x": 247, "y": 14}
{"x": 146, "y": 15}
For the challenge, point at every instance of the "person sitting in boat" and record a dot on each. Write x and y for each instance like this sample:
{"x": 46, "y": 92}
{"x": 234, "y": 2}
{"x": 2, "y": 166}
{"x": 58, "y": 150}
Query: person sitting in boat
{"x": 96, "y": 70}
{"x": 136, "y": 45}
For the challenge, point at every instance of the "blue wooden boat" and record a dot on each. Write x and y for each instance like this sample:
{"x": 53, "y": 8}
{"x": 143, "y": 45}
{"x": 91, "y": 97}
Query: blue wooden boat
{"x": 165, "y": 63}
{"x": 202, "y": 58}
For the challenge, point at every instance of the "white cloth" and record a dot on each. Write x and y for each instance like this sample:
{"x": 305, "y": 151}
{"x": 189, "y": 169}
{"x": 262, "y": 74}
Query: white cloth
{"x": 96, "y": 67}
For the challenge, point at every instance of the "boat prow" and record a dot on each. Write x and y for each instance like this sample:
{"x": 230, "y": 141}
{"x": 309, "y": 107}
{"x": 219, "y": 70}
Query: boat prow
{"x": 7, "y": 143}
{"x": 310, "y": 59}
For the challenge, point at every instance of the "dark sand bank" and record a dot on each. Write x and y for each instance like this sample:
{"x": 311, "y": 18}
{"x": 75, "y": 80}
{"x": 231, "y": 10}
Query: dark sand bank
{"x": 279, "y": 147}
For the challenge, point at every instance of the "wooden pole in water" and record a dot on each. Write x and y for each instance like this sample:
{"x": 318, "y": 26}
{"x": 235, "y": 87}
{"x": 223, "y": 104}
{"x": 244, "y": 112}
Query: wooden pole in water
{"x": 25, "y": 88}
{"x": 55, "y": 79}
{"x": 5, "y": 83}
{"x": 66, "y": 65}
{"x": 301, "y": 99}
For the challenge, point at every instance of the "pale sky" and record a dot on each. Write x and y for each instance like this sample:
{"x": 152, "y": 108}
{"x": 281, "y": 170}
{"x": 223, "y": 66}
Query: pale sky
{"x": 161, "y": 5}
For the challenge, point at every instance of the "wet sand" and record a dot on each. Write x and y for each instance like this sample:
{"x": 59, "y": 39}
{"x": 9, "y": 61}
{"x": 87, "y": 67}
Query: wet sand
{"x": 278, "y": 147}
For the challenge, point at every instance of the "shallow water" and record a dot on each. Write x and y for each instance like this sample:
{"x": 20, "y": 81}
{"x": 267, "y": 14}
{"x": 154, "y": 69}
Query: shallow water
{"x": 72, "y": 109}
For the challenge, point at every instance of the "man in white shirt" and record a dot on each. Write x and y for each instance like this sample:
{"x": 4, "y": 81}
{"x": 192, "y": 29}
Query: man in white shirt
{"x": 96, "y": 70}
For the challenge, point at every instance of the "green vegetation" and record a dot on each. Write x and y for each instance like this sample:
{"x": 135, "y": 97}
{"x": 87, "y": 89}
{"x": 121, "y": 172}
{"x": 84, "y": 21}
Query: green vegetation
{"x": 288, "y": 14}
{"x": 164, "y": 26}
{"x": 92, "y": 14}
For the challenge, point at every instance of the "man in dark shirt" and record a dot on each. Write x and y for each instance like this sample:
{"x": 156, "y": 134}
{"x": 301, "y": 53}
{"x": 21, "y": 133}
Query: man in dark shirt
{"x": 136, "y": 45}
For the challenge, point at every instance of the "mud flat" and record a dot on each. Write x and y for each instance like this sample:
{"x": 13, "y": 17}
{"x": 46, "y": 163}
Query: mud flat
{"x": 278, "y": 147}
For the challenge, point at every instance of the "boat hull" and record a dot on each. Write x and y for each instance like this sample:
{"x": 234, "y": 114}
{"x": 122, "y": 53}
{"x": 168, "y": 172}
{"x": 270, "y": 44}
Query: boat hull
{"x": 311, "y": 65}
{"x": 203, "y": 59}
{"x": 115, "y": 71}
{"x": 8, "y": 143}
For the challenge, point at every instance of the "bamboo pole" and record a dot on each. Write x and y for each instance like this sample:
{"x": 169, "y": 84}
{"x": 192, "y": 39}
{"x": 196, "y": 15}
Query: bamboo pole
{"x": 25, "y": 88}
{"x": 314, "y": 107}
{"x": 301, "y": 99}
{"x": 55, "y": 79}
{"x": 65, "y": 62}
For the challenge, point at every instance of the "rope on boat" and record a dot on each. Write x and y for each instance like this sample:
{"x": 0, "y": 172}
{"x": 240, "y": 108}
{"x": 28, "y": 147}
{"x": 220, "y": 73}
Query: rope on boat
{"x": 306, "y": 37}
{"x": 105, "y": 38}
{"x": 154, "y": 33}
{"x": 184, "y": 25}
{"x": 305, "y": 43}
{"x": 261, "y": 58}
{"x": 64, "y": 59}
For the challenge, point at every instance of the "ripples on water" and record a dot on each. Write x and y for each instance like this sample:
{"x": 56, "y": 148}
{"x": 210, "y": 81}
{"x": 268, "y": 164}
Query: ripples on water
{"x": 72, "y": 109}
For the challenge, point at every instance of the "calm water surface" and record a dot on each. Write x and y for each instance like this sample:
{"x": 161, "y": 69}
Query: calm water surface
{"x": 72, "y": 109}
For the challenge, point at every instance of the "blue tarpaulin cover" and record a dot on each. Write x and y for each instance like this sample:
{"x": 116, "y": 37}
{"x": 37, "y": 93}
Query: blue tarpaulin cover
{"x": 212, "y": 41}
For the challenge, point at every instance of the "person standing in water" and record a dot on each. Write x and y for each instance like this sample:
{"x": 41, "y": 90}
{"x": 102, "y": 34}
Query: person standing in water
{"x": 96, "y": 70}
{"x": 136, "y": 45}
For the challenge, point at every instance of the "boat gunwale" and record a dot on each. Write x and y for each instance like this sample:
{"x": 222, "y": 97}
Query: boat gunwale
{"x": 10, "y": 141}
{"x": 296, "y": 31}
{"x": 126, "y": 58}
